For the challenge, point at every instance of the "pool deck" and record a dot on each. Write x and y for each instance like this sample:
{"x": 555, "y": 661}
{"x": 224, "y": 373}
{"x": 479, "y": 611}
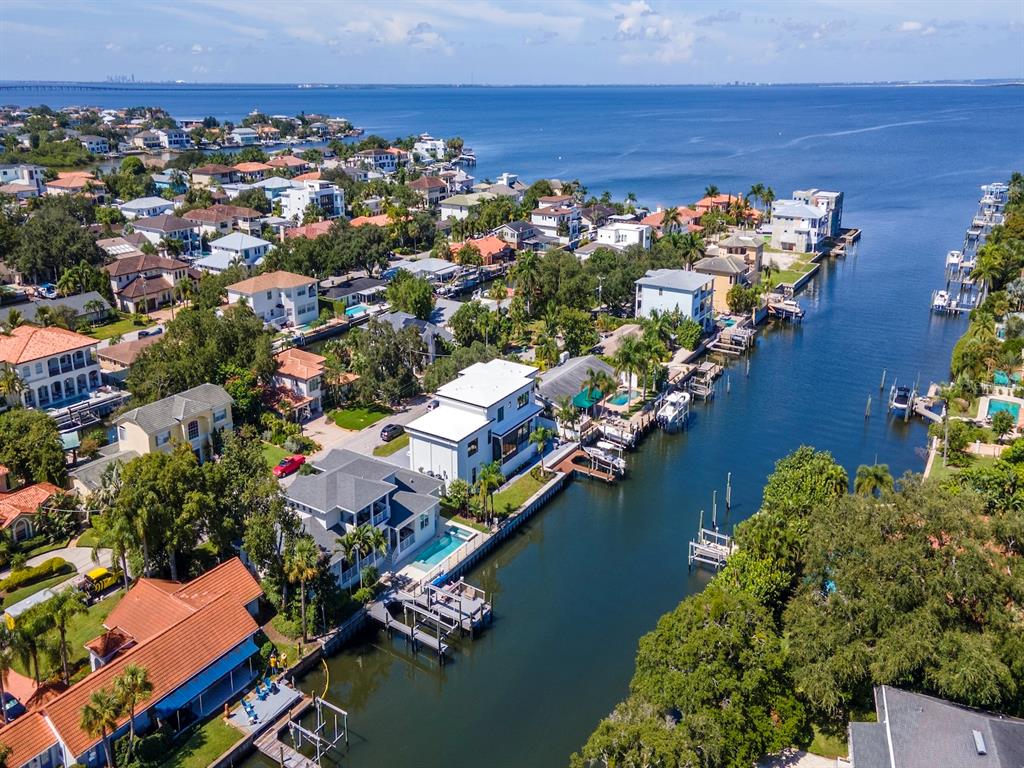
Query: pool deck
{"x": 985, "y": 402}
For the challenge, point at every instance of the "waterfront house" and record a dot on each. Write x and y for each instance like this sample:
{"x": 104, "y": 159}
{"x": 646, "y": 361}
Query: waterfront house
{"x": 23, "y": 175}
{"x": 146, "y": 140}
{"x": 253, "y": 171}
{"x": 213, "y": 174}
{"x": 430, "y": 189}
{"x": 623, "y": 234}
{"x": 383, "y": 160}
{"x": 236, "y": 248}
{"x": 144, "y": 282}
{"x": 358, "y": 290}
{"x": 485, "y": 414}
{"x": 727, "y": 271}
{"x": 279, "y": 298}
{"x": 190, "y": 417}
{"x": 173, "y": 138}
{"x": 460, "y": 206}
{"x": 169, "y": 227}
{"x": 244, "y": 137}
{"x": 830, "y": 202}
{"x": 19, "y": 507}
{"x": 676, "y": 290}
{"x": 143, "y": 207}
{"x": 435, "y": 270}
{"x": 289, "y": 163}
{"x": 515, "y": 233}
{"x": 797, "y": 226}
{"x": 748, "y": 246}
{"x": 196, "y": 642}
{"x": 299, "y": 380}
{"x": 326, "y": 196}
{"x": 492, "y": 249}
{"x": 56, "y": 366}
{"x": 568, "y": 380}
{"x": 557, "y": 221}
{"x": 687, "y": 221}
{"x": 98, "y": 145}
{"x": 352, "y": 490}
{"x": 428, "y": 148}
{"x": 912, "y": 730}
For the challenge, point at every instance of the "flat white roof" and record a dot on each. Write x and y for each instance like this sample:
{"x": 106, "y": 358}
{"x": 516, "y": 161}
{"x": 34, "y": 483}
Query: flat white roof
{"x": 448, "y": 423}
{"x": 485, "y": 384}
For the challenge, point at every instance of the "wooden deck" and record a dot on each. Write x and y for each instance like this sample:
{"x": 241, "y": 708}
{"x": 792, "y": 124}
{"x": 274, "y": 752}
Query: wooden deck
{"x": 378, "y": 611}
{"x": 271, "y": 743}
{"x": 569, "y": 466}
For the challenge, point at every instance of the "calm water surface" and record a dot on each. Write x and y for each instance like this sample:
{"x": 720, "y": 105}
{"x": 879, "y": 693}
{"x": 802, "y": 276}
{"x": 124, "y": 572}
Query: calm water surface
{"x": 590, "y": 574}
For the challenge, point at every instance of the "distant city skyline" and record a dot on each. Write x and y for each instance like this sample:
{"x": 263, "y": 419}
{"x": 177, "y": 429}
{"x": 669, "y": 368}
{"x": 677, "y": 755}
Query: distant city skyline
{"x": 498, "y": 43}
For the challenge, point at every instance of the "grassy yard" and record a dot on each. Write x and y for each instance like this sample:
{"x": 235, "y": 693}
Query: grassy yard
{"x": 449, "y": 514}
{"x": 828, "y": 745}
{"x": 387, "y": 449}
{"x": 89, "y": 538}
{"x": 39, "y": 586}
{"x": 213, "y": 739}
{"x": 359, "y": 417}
{"x": 789, "y": 276}
{"x": 517, "y": 493}
{"x": 273, "y": 454}
{"x": 940, "y": 472}
{"x": 118, "y": 327}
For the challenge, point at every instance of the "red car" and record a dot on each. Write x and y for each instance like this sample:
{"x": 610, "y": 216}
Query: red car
{"x": 289, "y": 465}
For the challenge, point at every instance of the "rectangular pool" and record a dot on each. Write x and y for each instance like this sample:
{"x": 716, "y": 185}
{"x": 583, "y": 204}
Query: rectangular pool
{"x": 441, "y": 548}
{"x": 995, "y": 406}
{"x": 620, "y": 399}
{"x": 357, "y": 309}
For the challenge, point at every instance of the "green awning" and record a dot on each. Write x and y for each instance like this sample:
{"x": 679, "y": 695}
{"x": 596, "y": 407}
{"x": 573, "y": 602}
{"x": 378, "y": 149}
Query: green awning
{"x": 70, "y": 440}
{"x": 587, "y": 398}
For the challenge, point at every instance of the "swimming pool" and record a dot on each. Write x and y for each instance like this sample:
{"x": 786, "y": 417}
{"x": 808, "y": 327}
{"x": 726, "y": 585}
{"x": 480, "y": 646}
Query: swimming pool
{"x": 995, "y": 406}
{"x": 357, "y": 309}
{"x": 620, "y": 399}
{"x": 441, "y": 548}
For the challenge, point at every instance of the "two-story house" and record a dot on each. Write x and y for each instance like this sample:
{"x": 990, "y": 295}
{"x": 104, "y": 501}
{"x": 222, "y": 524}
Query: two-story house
{"x": 56, "y": 366}
{"x": 557, "y": 221}
{"x": 353, "y": 490}
{"x": 213, "y": 174}
{"x": 146, "y": 140}
{"x": 676, "y": 290}
{"x": 167, "y": 226}
{"x": 236, "y": 248}
{"x": 253, "y": 171}
{"x": 279, "y": 298}
{"x": 430, "y": 189}
{"x": 623, "y": 234}
{"x": 484, "y": 415}
{"x": 289, "y": 163}
{"x": 22, "y": 180}
{"x": 797, "y": 226}
{"x": 244, "y": 137}
{"x": 190, "y": 417}
{"x": 98, "y": 145}
{"x": 325, "y": 195}
{"x": 830, "y": 202}
{"x": 299, "y": 378}
{"x": 144, "y": 282}
{"x": 173, "y": 138}
{"x": 460, "y": 206}
{"x": 144, "y": 207}
{"x": 220, "y": 219}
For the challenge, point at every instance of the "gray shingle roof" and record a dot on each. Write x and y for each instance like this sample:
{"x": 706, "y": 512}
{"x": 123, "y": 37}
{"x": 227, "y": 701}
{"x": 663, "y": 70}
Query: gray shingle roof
{"x": 417, "y": 482}
{"x": 676, "y": 279}
{"x": 29, "y": 309}
{"x": 568, "y": 379}
{"x": 337, "y": 488}
{"x": 405, "y": 505}
{"x": 164, "y": 414}
{"x": 722, "y": 265}
{"x": 91, "y": 474}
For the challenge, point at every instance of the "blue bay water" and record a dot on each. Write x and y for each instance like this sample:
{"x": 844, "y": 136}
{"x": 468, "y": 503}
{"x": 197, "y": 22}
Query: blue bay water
{"x": 594, "y": 571}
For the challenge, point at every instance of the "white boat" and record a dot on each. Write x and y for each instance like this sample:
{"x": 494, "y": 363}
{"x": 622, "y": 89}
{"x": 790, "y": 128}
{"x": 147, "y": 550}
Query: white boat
{"x": 675, "y": 411}
{"x": 940, "y": 302}
{"x": 602, "y": 454}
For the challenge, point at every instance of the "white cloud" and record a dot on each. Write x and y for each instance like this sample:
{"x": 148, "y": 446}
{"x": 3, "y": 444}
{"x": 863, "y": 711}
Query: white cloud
{"x": 112, "y": 47}
{"x": 197, "y": 49}
{"x": 650, "y": 36}
{"x": 917, "y": 28}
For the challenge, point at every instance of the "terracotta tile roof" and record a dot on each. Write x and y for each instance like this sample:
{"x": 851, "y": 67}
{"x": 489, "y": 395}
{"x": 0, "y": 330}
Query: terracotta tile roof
{"x": 264, "y": 282}
{"x": 236, "y": 211}
{"x": 489, "y": 246}
{"x": 380, "y": 220}
{"x": 311, "y": 176}
{"x": 310, "y": 231}
{"x": 287, "y": 161}
{"x": 213, "y": 169}
{"x": 426, "y": 183}
{"x": 253, "y": 167}
{"x": 24, "y": 501}
{"x": 147, "y": 610}
{"x": 27, "y": 737}
{"x": 110, "y": 642}
{"x": 685, "y": 216}
{"x": 171, "y": 658}
{"x": 126, "y": 352}
{"x": 75, "y": 182}
{"x": 143, "y": 262}
{"x": 228, "y": 578}
{"x": 299, "y": 364}
{"x": 27, "y": 342}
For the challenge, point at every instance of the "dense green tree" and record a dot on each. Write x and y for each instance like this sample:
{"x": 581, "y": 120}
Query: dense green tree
{"x": 386, "y": 361}
{"x": 408, "y": 293}
{"x": 578, "y": 331}
{"x": 30, "y": 446}
{"x": 253, "y": 198}
{"x": 446, "y": 368}
{"x": 54, "y": 238}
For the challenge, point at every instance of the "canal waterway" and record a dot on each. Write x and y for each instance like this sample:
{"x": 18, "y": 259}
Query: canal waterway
{"x": 591, "y": 573}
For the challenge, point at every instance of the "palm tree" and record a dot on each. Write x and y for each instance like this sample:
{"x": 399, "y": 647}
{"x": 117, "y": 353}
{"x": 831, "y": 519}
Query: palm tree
{"x": 658, "y": 326}
{"x": 14, "y": 319}
{"x": 540, "y": 437}
{"x": 567, "y": 413}
{"x": 630, "y": 201}
{"x": 32, "y": 627}
{"x": 671, "y": 217}
{"x": 767, "y": 270}
{"x": 526, "y": 273}
{"x": 768, "y": 197}
{"x": 488, "y": 481}
{"x": 738, "y": 208}
{"x": 710, "y": 191}
{"x": 301, "y": 566}
{"x": 628, "y": 359}
{"x": 63, "y": 607}
{"x": 94, "y": 307}
{"x": 172, "y": 246}
{"x": 652, "y": 351}
{"x": 133, "y": 687}
{"x": 99, "y": 718}
{"x": 374, "y": 540}
{"x": 691, "y": 247}
{"x": 872, "y": 480}
{"x": 756, "y": 191}
{"x": 11, "y": 385}
{"x": 6, "y": 663}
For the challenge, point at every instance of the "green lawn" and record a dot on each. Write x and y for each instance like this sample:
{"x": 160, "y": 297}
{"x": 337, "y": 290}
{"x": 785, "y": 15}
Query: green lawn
{"x": 118, "y": 327}
{"x": 513, "y": 497}
{"x": 449, "y": 514}
{"x": 360, "y": 417}
{"x": 39, "y": 586}
{"x": 789, "y": 276}
{"x": 273, "y": 454}
{"x": 940, "y": 472}
{"x": 89, "y": 538}
{"x": 45, "y": 548}
{"x": 400, "y": 442}
{"x": 828, "y": 745}
{"x": 213, "y": 739}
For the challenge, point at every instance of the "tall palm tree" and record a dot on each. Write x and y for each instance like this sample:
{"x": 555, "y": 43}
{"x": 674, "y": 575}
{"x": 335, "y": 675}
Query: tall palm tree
{"x": 671, "y": 217}
{"x": 32, "y": 627}
{"x": 593, "y": 385}
{"x": 488, "y": 481}
{"x": 873, "y": 479}
{"x": 99, "y": 718}
{"x": 133, "y": 687}
{"x": 691, "y": 247}
{"x": 652, "y": 351}
{"x": 374, "y": 540}
{"x": 567, "y": 413}
{"x": 63, "y": 607}
{"x": 14, "y": 318}
{"x": 767, "y": 270}
{"x": 628, "y": 359}
{"x": 11, "y": 385}
{"x": 710, "y": 191}
{"x": 7, "y": 655}
{"x": 768, "y": 197}
{"x": 301, "y": 566}
{"x": 756, "y": 191}
{"x": 658, "y": 326}
{"x": 539, "y": 437}
{"x": 526, "y": 273}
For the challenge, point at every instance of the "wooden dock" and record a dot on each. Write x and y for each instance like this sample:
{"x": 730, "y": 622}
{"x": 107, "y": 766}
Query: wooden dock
{"x": 274, "y": 747}
{"x": 416, "y": 636}
{"x": 569, "y": 466}
{"x": 710, "y": 548}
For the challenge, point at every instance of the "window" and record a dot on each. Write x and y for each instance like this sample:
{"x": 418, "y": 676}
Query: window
{"x": 501, "y": 413}
{"x": 39, "y": 367}
{"x": 424, "y": 521}
{"x": 270, "y": 294}
{"x": 163, "y": 438}
{"x": 122, "y": 433}
{"x": 26, "y": 372}
{"x": 220, "y": 415}
{"x": 523, "y": 399}
{"x": 472, "y": 448}
{"x": 193, "y": 430}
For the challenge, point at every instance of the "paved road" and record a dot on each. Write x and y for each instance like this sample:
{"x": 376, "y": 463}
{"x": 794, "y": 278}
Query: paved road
{"x": 131, "y": 335}
{"x": 80, "y": 557}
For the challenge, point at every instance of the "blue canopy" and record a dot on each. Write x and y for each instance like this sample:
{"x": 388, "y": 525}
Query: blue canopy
{"x": 205, "y": 679}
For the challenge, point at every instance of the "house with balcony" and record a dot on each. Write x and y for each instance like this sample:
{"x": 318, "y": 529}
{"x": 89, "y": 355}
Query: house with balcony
{"x": 196, "y": 641}
{"x": 167, "y": 226}
{"x": 623, "y": 234}
{"x": 244, "y": 137}
{"x": 190, "y": 417}
{"x": 685, "y": 220}
{"x": 144, "y": 207}
{"x": 145, "y": 282}
{"x": 460, "y": 206}
{"x": 561, "y": 222}
{"x": 289, "y": 163}
{"x": 299, "y": 380}
{"x": 748, "y": 246}
{"x": 830, "y": 202}
{"x": 236, "y": 248}
{"x": 98, "y": 145}
{"x": 146, "y": 140}
{"x": 797, "y": 226}
{"x": 280, "y": 298}
{"x": 325, "y": 195}
{"x": 727, "y": 270}
{"x": 486, "y": 414}
{"x": 23, "y": 178}
{"x": 220, "y": 219}
{"x": 430, "y": 189}
{"x": 213, "y": 174}
{"x": 676, "y": 290}
{"x": 351, "y": 490}
{"x": 253, "y": 171}
{"x": 173, "y": 138}
{"x": 56, "y": 366}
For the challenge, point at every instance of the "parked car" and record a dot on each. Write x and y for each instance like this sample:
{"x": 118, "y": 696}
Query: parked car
{"x": 12, "y": 707}
{"x": 99, "y": 580}
{"x": 289, "y": 465}
{"x": 151, "y": 332}
{"x": 390, "y": 431}
{"x": 433, "y": 404}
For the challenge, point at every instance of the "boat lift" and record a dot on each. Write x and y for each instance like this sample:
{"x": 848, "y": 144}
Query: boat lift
{"x": 318, "y": 736}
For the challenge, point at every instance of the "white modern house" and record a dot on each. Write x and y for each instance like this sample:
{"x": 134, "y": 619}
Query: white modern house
{"x": 141, "y": 207}
{"x": 485, "y": 415}
{"x": 327, "y": 196}
{"x": 623, "y": 234}
{"x": 56, "y": 366}
{"x": 561, "y": 221}
{"x": 676, "y": 290}
{"x": 830, "y": 202}
{"x": 280, "y": 298}
{"x": 173, "y": 138}
{"x": 98, "y": 145}
{"x": 351, "y": 490}
{"x": 429, "y": 148}
{"x": 166, "y": 226}
{"x": 797, "y": 226}
{"x": 236, "y": 248}
{"x": 244, "y": 136}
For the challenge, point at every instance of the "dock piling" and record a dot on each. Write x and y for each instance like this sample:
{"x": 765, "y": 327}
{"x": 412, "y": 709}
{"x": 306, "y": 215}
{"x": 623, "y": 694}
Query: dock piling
{"x": 728, "y": 492}
{"x": 881, "y": 385}
{"x": 867, "y": 410}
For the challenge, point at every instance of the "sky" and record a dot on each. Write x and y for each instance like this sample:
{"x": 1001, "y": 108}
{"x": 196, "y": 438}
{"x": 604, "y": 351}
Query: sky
{"x": 522, "y": 42}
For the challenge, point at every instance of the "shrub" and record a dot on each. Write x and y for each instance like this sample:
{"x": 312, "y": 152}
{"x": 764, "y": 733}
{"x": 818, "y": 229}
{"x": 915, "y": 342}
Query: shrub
{"x": 363, "y": 595}
{"x": 26, "y": 576}
{"x": 290, "y": 628}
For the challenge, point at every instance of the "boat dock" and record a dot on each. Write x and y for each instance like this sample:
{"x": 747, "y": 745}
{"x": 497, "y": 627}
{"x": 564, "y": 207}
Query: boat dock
{"x": 581, "y": 463}
{"x": 459, "y": 605}
{"x": 710, "y": 548}
{"x": 784, "y": 308}
{"x": 702, "y": 382}
{"x": 416, "y": 636}
{"x": 272, "y": 743}
{"x": 734, "y": 341}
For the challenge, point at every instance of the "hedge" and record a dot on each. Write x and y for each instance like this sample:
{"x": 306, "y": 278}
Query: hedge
{"x": 26, "y": 576}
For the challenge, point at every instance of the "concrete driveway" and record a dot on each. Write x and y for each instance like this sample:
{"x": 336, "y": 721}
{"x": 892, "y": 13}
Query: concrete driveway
{"x": 80, "y": 557}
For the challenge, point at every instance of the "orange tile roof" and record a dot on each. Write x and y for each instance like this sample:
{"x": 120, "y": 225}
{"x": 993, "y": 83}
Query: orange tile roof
{"x": 147, "y": 610}
{"x": 75, "y": 182}
{"x": 489, "y": 246}
{"x": 380, "y": 220}
{"x": 171, "y": 659}
{"x": 27, "y": 737}
{"x": 685, "y": 216}
{"x": 310, "y": 231}
{"x": 253, "y": 167}
{"x": 287, "y": 161}
{"x": 299, "y": 364}
{"x": 24, "y": 501}
{"x": 28, "y": 342}
{"x": 311, "y": 176}
{"x": 228, "y": 578}
{"x": 264, "y": 282}
{"x": 110, "y": 642}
